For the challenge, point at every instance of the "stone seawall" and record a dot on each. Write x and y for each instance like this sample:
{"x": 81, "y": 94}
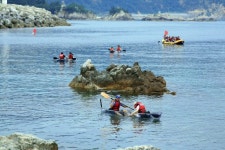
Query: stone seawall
{"x": 18, "y": 16}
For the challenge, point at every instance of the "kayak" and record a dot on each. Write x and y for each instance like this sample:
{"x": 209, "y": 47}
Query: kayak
{"x": 64, "y": 60}
{"x": 147, "y": 115}
{"x": 177, "y": 42}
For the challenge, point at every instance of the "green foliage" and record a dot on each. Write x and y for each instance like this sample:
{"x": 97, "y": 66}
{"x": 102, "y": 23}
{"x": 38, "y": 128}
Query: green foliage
{"x": 53, "y": 7}
{"x": 145, "y": 6}
{"x": 75, "y": 8}
{"x": 28, "y": 2}
{"x": 115, "y": 10}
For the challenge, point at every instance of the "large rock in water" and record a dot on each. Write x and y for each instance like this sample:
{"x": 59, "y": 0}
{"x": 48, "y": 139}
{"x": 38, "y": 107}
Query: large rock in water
{"x": 121, "y": 78}
{"x": 19, "y": 141}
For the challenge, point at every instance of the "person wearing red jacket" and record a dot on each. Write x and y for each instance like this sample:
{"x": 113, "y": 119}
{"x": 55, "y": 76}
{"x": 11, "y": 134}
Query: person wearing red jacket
{"x": 61, "y": 56}
{"x": 139, "y": 108}
{"x": 119, "y": 49}
{"x": 115, "y": 104}
{"x": 70, "y": 56}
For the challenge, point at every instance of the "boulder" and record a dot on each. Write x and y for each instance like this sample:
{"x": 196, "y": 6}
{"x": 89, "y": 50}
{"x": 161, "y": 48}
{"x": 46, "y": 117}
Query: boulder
{"x": 120, "y": 78}
{"x": 141, "y": 147}
{"x": 20, "y": 141}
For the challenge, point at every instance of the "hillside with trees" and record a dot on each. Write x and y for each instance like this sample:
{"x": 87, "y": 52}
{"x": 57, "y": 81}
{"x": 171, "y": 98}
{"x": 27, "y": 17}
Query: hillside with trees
{"x": 74, "y": 9}
{"x": 145, "y": 6}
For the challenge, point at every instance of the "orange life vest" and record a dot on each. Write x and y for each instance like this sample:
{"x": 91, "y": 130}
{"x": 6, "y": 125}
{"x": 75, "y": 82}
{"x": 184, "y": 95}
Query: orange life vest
{"x": 141, "y": 107}
{"x": 70, "y": 56}
{"x": 116, "y": 106}
{"x": 61, "y": 56}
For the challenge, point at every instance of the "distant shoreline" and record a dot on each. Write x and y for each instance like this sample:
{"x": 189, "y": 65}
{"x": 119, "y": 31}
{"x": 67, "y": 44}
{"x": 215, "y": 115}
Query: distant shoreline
{"x": 142, "y": 17}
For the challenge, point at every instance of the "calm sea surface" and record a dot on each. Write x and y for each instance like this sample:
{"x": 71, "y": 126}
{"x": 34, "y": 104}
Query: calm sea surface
{"x": 35, "y": 97}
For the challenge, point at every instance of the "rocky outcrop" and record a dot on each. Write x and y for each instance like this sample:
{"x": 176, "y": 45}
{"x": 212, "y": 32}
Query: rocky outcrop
{"x": 18, "y": 16}
{"x": 19, "y": 141}
{"x": 77, "y": 16}
{"x": 119, "y": 16}
{"x": 142, "y": 147}
{"x": 122, "y": 78}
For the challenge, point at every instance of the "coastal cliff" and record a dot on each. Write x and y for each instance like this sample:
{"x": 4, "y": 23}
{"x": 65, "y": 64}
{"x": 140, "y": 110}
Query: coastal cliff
{"x": 18, "y": 16}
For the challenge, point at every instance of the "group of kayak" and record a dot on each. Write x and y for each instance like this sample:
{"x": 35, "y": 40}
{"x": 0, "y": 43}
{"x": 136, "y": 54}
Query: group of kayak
{"x": 138, "y": 110}
{"x": 62, "y": 58}
{"x": 118, "y": 49}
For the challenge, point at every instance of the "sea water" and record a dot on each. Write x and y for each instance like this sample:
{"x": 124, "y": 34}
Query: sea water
{"x": 35, "y": 97}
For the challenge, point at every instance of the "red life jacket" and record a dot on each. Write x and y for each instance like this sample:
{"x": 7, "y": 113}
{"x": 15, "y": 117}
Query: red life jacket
{"x": 116, "y": 106}
{"x": 141, "y": 107}
{"x": 61, "y": 56}
{"x": 70, "y": 56}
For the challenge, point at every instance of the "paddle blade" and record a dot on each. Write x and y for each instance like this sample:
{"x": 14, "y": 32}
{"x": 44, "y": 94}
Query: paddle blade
{"x": 55, "y": 57}
{"x": 105, "y": 95}
{"x": 101, "y": 103}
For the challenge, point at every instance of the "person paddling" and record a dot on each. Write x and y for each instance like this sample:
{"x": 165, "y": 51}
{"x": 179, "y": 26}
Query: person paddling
{"x": 119, "y": 49}
{"x": 115, "y": 105}
{"x": 70, "y": 56}
{"x": 139, "y": 108}
{"x": 111, "y": 50}
{"x": 61, "y": 56}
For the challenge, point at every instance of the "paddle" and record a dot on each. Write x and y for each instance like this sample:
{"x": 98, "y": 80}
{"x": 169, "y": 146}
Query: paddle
{"x": 101, "y": 102}
{"x": 107, "y": 97}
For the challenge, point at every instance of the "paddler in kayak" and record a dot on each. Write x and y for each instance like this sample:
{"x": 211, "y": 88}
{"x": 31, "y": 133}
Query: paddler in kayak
{"x": 139, "y": 108}
{"x": 111, "y": 50}
{"x": 70, "y": 56}
{"x": 115, "y": 105}
{"x": 61, "y": 56}
{"x": 119, "y": 49}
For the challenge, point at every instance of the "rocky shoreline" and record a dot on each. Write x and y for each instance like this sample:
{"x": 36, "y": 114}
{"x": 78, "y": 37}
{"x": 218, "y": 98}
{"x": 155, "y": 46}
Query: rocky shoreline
{"x": 18, "y": 16}
{"x": 20, "y": 141}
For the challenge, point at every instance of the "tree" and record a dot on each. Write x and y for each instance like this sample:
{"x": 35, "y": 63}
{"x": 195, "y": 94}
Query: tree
{"x": 54, "y": 7}
{"x": 75, "y": 8}
{"x": 28, "y": 2}
{"x": 115, "y": 10}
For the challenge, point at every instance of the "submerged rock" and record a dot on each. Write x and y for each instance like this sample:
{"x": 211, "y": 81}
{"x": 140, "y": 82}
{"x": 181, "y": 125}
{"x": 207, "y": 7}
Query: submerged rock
{"x": 19, "y": 141}
{"x": 122, "y": 78}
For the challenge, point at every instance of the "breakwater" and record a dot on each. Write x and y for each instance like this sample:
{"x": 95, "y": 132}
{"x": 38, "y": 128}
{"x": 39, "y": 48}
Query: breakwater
{"x": 18, "y": 16}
